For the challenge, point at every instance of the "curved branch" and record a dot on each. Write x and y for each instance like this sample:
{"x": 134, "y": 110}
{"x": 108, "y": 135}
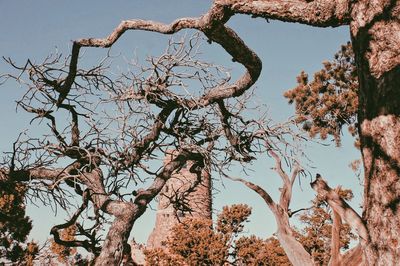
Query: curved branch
{"x": 142, "y": 146}
{"x": 341, "y": 207}
{"x": 42, "y": 173}
{"x": 260, "y": 191}
{"x": 295, "y": 251}
{"x": 319, "y": 13}
{"x": 212, "y": 25}
{"x": 91, "y": 247}
{"x": 286, "y": 190}
{"x": 234, "y": 139}
{"x": 138, "y": 24}
{"x": 145, "y": 196}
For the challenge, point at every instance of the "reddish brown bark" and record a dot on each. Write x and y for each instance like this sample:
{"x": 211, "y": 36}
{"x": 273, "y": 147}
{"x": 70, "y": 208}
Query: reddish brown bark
{"x": 335, "y": 243}
{"x": 375, "y": 28}
{"x": 376, "y": 42}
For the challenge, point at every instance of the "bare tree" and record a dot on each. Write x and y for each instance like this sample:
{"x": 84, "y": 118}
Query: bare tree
{"x": 373, "y": 26}
{"x": 105, "y": 132}
{"x": 281, "y": 211}
{"x": 286, "y": 235}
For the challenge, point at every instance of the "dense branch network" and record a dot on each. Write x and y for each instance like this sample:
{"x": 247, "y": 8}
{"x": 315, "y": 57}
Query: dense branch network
{"x": 156, "y": 111}
{"x": 104, "y": 154}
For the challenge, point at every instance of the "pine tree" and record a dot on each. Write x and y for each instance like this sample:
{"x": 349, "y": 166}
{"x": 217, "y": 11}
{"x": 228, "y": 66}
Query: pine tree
{"x": 15, "y": 226}
{"x": 329, "y": 102}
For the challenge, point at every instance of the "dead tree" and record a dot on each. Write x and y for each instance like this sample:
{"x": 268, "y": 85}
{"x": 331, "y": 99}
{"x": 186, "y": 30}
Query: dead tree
{"x": 285, "y": 233}
{"x": 374, "y": 28}
{"x": 293, "y": 248}
{"x": 375, "y": 42}
{"x": 342, "y": 211}
{"x": 99, "y": 154}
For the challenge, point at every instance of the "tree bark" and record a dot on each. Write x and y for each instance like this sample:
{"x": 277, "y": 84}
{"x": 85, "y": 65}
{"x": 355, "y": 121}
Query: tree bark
{"x": 341, "y": 210}
{"x": 335, "y": 242}
{"x": 115, "y": 245}
{"x": 375, "y": 33}
{"x": 341, "y": 207}
{"x": 296, "y": 253}
{"x": 353, "y": 257}
{"x": 376, "y": 43}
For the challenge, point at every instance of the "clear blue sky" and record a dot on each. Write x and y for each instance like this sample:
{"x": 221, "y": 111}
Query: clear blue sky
{"x": 33, "y": 29}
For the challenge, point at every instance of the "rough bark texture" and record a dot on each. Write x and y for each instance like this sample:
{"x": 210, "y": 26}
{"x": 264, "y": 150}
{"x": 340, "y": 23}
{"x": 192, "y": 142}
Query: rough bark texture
{"x": 340, "y": 207}
{"x": 341, "y": 210}
{"x": 185, "y": 194}
{"x": 335, "y": 243}
{"x": 353, "y": 257}
{"x": 115, "y": 245}
{"x": 296, "y": 253}
{"x": 375, "y": 33}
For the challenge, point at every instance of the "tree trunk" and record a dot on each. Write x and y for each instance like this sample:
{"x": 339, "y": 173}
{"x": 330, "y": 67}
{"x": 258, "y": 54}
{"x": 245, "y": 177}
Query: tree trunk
{"x": 115, "y": 247}
{"x": 296, "y": 253}
{"x": 376, "y": 43}
{"x": 380, "y": 142}
{"x": 353, "y": 257}
{"x": 375, "y": 33}
{"x": 115, "y": 244}
{"x": 335, "y": 241}
{"x": 294, "y": 250}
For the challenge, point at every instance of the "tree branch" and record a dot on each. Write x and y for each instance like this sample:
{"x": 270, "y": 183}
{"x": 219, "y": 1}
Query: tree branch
{"x": 320, "y": 13}
{"x": 335, "y": 241}
{"x": 341, "y": 207}
{"x": 260, "y": 191}
{"x": 91, "y": 247}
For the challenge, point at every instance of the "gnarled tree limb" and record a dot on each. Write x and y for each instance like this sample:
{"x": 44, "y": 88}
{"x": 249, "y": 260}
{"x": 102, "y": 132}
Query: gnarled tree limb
{"x": 340, "y": 207}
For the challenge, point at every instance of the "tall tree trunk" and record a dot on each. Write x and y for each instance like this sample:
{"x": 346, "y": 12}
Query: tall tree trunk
{"x": 380, "y": 142}
{"x": 376, "y": 43}
{"x": 375, "y": 33}
{"x": 115, "y": 244}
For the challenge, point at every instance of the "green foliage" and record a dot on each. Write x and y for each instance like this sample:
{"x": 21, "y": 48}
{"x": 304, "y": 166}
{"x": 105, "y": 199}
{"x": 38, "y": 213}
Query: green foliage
{"x": 15, "y": 226}
{"x": 329, "y": 101}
